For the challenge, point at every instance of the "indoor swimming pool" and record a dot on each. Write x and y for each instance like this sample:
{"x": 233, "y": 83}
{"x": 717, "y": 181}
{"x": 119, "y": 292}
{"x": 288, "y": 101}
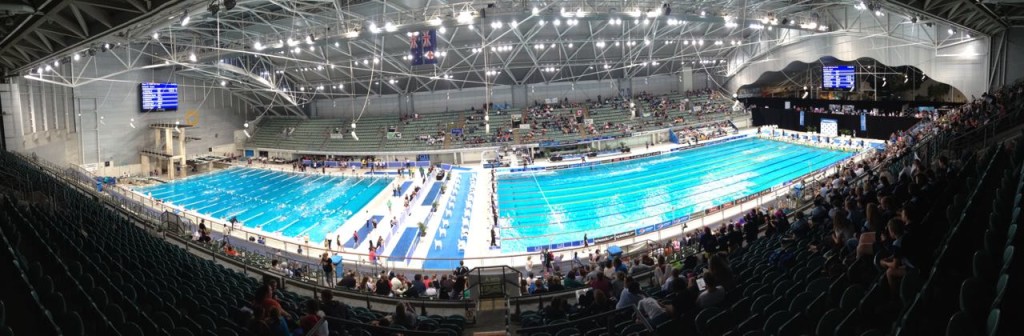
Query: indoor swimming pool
{"x": 541, "y": 208}
{"x": 290, "y": 204}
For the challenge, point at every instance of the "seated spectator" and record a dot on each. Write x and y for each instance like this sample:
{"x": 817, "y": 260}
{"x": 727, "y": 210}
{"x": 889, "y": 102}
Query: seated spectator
{"x": 445, "y": 287}
{"x": 558, "y": 309}
{"x": 600, "y": 303}
{"x": 661, "y": 271}
{"x": 348, "y": 281}
{"x": 398, "y": 286}
{"x": 618, "y": 284}
{"x": 539, "y": 287}
{"x": 258, "y": 324}
{"x": 619, "y": 266}
{"x": 684, "y": 300}
{"x": 870, "y": 236}
{"x": 712, "y": 296}
{"x": 843, "y": 232}
{"x": 800, "y": 226}
{"x": 264, "y": 299}
{"x": 718, "y": 268}
{"x": 601, "y": 283}
{"x": 276, "y": 324}
{"x": 365, "y": 285}
{"x": 333, "y": 308}
{"x": 631, "y": 295}
{"x": 555, "y": 284}
{"x": 383, "y": 286}
{"x": 313, "y": 315}
{"x": 672, "y": 276}
{"x": 405, "y": 316}
{"x": 417, "y": 288}
{"x": 653, "y": 311}
{"x": 639, "y": 267}
{"x": 570, "y": 280}
{"x": 896, "y": 264}
{"x": 230, "y": 251}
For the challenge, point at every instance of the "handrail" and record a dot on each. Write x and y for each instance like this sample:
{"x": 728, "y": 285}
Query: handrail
{"x": 568, "y": 292}
{"x": 573, "y": 323}
{"x": 379, "y": 330}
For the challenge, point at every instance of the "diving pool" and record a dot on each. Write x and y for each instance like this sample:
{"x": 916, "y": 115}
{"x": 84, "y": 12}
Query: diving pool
{"x": 291, "y": 204}
{"x": 547, "y": 207}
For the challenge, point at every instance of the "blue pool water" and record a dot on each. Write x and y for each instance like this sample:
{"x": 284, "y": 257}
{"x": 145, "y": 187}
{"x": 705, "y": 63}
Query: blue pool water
{"x": 291, "y": 204}
{"x": 551, "y": 207}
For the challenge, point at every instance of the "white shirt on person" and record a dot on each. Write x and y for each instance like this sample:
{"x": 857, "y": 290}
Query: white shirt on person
{"x": 711, "y": 299}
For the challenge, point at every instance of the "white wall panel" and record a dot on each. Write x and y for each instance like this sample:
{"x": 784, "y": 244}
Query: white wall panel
{"x": 964, "y": 65}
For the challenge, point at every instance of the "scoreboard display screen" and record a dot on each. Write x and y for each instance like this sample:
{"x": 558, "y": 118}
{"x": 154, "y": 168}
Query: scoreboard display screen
{"x": 838, "y": 77}
{"x": 159, "y": 97}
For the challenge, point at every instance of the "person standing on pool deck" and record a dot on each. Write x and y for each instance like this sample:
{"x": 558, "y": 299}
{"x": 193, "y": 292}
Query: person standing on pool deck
{"x": 355, "y": 237}
{"x": 327, "y": 242}
{"x": 389, "y": 206}
{"x": 585, "y": 242}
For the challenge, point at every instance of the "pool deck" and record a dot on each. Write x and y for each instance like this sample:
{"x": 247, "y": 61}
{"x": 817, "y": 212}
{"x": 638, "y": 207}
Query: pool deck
{"x": 477, "y": 248}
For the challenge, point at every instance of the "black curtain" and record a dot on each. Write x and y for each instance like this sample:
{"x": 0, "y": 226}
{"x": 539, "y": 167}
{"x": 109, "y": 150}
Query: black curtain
{"x": 877, "y": 127}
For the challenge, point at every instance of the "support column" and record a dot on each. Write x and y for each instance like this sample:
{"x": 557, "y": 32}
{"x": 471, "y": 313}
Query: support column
{"x": 686, "y": 80}
{"x": 145, "y": 165}
{"x": 181, "y": 146}
{"x": 625, "y": 86}
{"x": 405, "y": 105}
{"x": 520, "y": 98}
{"x": 169, "y": 150}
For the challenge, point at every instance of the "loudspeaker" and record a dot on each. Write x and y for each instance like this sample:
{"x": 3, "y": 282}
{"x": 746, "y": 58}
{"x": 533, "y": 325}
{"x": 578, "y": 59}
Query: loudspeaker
{"x": 106, "y": 163}
{"x": 211, "y": 149}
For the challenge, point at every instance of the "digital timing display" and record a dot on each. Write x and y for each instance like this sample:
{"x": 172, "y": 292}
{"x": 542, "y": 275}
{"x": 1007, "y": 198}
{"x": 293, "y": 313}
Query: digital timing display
{"x": 159, "y": 97}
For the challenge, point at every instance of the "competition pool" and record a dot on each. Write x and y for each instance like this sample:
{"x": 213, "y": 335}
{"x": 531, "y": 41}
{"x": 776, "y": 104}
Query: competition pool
{"x": 541, "y": 208}
{"x": 291, "y": 204}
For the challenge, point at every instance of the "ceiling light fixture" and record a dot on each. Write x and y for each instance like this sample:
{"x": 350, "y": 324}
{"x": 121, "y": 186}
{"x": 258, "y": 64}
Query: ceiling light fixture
{"x": 465, "y": 17}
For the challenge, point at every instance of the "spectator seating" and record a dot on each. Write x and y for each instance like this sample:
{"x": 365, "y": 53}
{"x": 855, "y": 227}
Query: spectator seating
{"x": 314, "y": 134}
{"x": 76, "y": 267}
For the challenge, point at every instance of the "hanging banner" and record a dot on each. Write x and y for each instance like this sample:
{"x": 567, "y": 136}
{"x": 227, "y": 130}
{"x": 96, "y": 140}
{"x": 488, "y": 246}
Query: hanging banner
{"x": 423, "y": 47}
